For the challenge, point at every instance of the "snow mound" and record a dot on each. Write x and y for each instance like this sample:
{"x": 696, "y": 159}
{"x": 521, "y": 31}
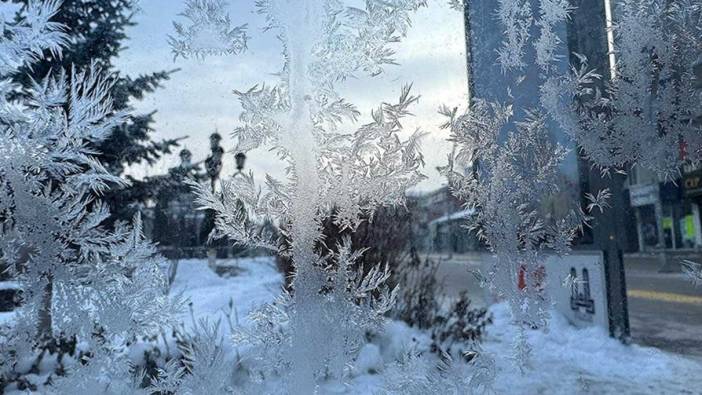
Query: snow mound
{"x": 566, "y": 359}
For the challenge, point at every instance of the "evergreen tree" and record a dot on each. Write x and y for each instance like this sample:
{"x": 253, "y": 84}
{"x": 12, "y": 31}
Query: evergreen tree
{"x": 98, "y": 31}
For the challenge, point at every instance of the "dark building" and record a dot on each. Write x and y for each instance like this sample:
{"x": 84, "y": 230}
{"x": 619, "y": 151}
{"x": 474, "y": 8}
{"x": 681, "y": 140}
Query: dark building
{"x": 439, "y": 225}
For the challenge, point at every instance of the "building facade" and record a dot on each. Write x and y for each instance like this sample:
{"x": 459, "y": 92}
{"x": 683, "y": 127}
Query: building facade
{"x": 440, "y": 223}
{"x": 666, "y": 213}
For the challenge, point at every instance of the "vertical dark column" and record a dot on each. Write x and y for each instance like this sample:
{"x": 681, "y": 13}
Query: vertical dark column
{"x": 587, "y": 35}
{"x": 466, "y": 29}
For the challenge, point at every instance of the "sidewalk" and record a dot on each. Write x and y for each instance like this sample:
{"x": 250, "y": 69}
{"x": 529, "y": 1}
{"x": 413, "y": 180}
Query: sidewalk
{"x": 664, "y": 261}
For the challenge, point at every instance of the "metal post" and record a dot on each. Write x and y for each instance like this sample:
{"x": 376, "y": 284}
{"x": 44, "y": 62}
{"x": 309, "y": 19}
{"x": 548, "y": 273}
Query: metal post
{"x": 673, "y": 233}
{"x": 658, "y": 207}
{"x": 609, "y": 235}
{"x": 587, "y": 35}
{"x": 639, "y": 230}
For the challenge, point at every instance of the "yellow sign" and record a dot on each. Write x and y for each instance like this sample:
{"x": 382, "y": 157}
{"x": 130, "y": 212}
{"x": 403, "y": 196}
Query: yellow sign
{"x": 667, "y": 222}
{"x": 689, "y": 227}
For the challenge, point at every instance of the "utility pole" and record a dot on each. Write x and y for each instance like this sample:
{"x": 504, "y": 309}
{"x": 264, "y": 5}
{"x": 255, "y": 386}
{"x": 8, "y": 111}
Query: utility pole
{"x": 587, "y": 30}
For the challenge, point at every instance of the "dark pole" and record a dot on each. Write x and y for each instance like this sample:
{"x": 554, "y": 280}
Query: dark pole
{"x": 587, "y": 35}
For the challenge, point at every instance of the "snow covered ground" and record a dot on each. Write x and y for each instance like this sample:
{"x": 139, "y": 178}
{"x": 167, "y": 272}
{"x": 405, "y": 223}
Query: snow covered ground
{"x": 565, "y": 360}
{"x": 258, "y": 282}
{"x": 570, "y": 360}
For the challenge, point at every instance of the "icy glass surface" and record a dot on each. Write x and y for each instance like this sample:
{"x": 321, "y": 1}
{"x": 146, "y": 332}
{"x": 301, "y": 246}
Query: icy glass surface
{"x": 350, "y": 196}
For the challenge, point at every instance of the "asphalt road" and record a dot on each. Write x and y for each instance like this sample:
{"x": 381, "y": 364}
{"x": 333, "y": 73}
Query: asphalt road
{"x": 665, "y": 309}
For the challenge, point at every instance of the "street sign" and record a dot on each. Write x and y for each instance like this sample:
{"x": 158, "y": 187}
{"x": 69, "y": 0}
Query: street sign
{"x": 577, "y": 287}
{"x": 692, "y": 183}
{"x": 643, "y": 195}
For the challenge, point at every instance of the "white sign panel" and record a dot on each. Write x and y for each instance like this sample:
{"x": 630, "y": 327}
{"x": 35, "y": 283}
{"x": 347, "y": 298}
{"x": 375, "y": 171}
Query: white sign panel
{"x": 577, "y": 286}
{"x": 643, "y": 195}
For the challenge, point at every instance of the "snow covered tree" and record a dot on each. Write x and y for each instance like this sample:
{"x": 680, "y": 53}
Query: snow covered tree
{"x": 98, "y": 32}
{"x": 303, "y": 119}
{"x": 77, "y": 279}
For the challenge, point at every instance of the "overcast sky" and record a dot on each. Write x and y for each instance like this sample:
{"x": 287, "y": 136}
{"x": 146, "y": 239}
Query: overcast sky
{"x": 198, "y": 99}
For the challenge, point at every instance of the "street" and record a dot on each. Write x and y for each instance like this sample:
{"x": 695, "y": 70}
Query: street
{"x": 665, "y": 309}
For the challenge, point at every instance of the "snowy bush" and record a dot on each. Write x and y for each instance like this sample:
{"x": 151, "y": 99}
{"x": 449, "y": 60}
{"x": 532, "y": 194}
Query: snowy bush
{"x": 386, "y": 237}
{"x": 418, "y": 298}
{"x": 455, "y": 326}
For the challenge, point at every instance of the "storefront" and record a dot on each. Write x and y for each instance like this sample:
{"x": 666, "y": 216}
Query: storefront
{"x": 691, "y": 186}
{"x": 645, "y": 199}
{"x": 667, "y": 215}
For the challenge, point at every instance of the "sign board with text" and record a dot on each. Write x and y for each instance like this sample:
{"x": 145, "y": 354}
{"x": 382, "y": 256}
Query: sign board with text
{"x": 692, "y": 183}
{"x": 577, "y": 287}
{"x": 643, "y": 195}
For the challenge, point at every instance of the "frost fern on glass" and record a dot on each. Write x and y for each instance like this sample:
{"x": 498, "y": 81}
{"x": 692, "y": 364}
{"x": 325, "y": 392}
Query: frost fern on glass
{"x": 648, "y": 113}
{"x": 209, "y": 31}
{"x": 329, "y": 167}
{"x": 515, "y": 177}
{"x": 506, "y": 165}
{"x": 77, "y": 279}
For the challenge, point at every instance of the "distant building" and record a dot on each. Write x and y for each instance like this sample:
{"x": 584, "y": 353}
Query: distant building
{"x": 440, "y": 221}
{"x": 667, "y": 214}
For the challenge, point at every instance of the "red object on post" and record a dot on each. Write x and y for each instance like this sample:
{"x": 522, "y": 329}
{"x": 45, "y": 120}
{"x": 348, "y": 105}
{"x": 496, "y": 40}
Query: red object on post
{"x": 539, "y": 276}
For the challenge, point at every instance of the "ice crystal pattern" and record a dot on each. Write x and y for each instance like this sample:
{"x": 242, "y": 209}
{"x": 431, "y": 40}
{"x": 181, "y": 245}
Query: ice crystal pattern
{"x": 516, "y": 16}
{"x": 520, "y": 19}
{"x": 208, "y": 32}
{"x": 74, "y": 275}
{"x": 648, "y": 112}
{"x": 307, "y": 123}
{"x": 693, "y": 271}
{"x": 515, "y": 174}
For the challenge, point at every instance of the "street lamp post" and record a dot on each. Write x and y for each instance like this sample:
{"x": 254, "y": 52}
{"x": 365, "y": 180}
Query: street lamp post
{"x": 240, "y": 161}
